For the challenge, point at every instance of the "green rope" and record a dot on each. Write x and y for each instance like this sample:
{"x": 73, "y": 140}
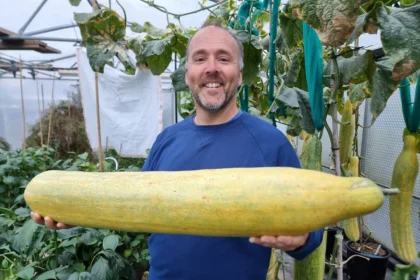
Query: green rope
{"x": 415, "y": 115}
{"x": 405, "y": 97}
{"x": 272, "y": 66}
{"x": 411, "y": 112}
{"x": 314, "y": 74}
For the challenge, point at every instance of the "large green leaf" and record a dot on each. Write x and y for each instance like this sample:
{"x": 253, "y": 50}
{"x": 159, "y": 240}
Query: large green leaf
{"x": 364, "y": 25}
{"x": 298, "y": 102}
{"x": 381, "y": 87}
{"x": 333, "y": 20}
{"x": 291, "y": 30}
{"x": 103, "y": 35}
{"x": 295, "y": 68}
{"x": 400, "y": 38}
{"x": 26, "y": 273}
{"x": 252, "y": 56}
{"x": 101, "y": 270}
{"x": 158, "y": 54}
{"x": 178, "y": 77}
{"x": 179, "y": 43}
{"x": 357, "y": 69}
{"x": 29, "y": 238}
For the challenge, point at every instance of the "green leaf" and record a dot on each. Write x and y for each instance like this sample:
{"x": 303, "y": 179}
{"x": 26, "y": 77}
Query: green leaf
{"x": 334, "y": 21}
{"x": 158, "y": 54}
{"x": 26, "y": 273}
{"x": 110, "y": 242}
{"x": 291, "y": 31}
{"x": 292, "y": 74}
{"x": 178, "y": 78}
{"x": 357, "y": 69}
{"x": 400, "y": 38}
{"x": 85, "y": 17}
{"x": 381, "y": 87}
{"x": 74, "y": 276}
{"x": 252, "y": 56}
{"x": 8, "y": 212}
{"x": 154, "y": 32}
{"x": 29, "y": 238}
{"x": 179, "y": 43}
{"x": 298, "y": 100}
{"x": 101, "y": 270}
{"x": 104, "y": 37}
{"x": 9, "y": 180}
{"x": 75, "y": 2}
{"x": 46, "y": 275}
{"x": 363, "y": 25}
{"x": 413, "y": 78}
{"x": 357, "y": 94}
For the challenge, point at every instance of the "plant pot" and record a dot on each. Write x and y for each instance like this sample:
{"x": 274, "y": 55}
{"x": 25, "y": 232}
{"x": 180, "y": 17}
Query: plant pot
{"x": 362, "y": 269}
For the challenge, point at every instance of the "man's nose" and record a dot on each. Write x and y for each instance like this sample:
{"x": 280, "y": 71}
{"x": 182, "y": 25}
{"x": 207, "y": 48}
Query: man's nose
{"x": 211, "y": 66}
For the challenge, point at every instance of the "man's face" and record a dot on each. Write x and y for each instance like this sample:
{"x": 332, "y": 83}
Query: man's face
{"x": 213, "y": 72}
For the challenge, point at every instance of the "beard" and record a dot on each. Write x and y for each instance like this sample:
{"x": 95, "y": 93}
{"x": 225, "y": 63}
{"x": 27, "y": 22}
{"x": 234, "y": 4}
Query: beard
{"x": 214, "y": 106}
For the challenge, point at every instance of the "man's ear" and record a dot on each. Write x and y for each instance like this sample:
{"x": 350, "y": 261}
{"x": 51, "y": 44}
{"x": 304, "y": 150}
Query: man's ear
{"x": 240, "y": 78}
{"x": 186, "y": 76}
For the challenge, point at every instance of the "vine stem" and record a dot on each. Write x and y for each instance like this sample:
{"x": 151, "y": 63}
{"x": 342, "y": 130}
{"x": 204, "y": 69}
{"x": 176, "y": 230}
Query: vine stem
{"x": 334, "y": 82}
{"x": 163, "y": 9}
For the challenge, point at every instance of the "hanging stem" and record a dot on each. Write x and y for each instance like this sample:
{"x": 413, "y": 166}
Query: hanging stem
{"x": 23, "y": 105}
{"x": 51, "y": 113}
{"x": 98, "y": 119}
{"x": 40, "y": 116}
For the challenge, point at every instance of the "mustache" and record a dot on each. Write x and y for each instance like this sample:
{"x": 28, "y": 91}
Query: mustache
{"x": 212, "y": 79}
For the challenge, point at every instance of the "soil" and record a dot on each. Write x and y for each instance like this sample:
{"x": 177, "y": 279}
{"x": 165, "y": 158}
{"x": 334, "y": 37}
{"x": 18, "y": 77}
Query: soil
{"x": 369, "y": 248}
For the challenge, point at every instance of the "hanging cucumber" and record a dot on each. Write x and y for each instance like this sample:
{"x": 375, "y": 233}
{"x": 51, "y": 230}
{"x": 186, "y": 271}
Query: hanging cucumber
{"x": 313, "y": 266}
{"x": 346, "y": 134}
{"x": 404, "y": 176}
{"x": 351, "y": 226}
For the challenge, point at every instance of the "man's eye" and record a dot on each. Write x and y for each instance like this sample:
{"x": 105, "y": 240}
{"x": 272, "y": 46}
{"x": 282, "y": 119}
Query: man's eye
{"x": 224, "y": 59}
{"x": 199, "y": 59}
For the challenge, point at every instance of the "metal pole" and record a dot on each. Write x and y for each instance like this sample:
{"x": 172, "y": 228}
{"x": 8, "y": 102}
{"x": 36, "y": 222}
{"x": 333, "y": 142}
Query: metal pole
{"x": 46, "y": 30}
{"x": 23, "y": 37}
{"x": 32, "y": 17}
{"x": 52, "y": 60}
{"x": 43, "y": 79}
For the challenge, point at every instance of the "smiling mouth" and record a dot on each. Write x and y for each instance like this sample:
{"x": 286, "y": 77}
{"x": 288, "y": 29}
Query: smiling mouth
{"x": 212, "y": 85}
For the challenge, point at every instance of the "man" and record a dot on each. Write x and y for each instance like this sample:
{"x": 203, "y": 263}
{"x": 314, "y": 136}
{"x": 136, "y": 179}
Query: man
{"x": 219, "y": 135}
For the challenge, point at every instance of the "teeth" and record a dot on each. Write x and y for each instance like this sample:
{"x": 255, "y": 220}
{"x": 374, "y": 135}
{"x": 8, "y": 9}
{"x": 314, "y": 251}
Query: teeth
{"x": 212, "y": 85}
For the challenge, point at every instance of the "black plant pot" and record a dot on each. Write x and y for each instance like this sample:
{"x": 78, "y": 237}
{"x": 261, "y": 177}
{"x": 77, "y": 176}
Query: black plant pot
{"x": 362, "y": 269}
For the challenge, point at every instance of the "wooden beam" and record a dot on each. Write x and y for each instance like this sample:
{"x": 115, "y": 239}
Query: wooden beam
{"x": 34, "y": 45}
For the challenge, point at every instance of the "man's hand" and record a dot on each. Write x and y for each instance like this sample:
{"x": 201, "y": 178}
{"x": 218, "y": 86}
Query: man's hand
{"x": 48, "y": 222}
{"x": 284, "y": 243}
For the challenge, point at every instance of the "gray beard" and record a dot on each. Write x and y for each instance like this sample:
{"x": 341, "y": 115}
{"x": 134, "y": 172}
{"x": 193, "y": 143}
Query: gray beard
{"x": 214, "y": 108}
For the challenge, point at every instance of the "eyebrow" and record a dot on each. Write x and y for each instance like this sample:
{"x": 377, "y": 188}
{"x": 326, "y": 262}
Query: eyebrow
{"x": 203, "y": 51}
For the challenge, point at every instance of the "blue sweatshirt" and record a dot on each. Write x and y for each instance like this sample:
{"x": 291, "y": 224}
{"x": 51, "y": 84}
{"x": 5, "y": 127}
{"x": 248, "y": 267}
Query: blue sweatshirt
{"x": 244, "y": 141}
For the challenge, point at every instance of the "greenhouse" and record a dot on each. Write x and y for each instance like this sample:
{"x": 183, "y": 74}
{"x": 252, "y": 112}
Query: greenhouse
{"x": 209, "y": 139}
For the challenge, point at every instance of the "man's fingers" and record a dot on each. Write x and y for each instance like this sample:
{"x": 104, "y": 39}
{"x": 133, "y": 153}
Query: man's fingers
{"x": 37, "y": 218}
{"x": 49, "y": 223}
